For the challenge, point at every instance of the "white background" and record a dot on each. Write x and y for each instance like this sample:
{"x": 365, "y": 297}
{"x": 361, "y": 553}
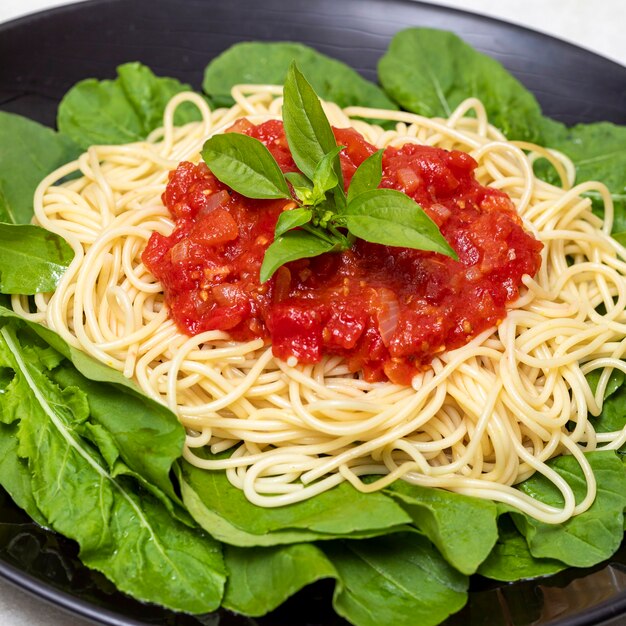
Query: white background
{"x": 599, "y": 25}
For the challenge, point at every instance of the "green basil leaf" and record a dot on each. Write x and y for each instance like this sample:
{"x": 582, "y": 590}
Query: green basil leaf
{"x": 298, "y": 180}
{"x": 325, "y": 176}
{"x": 32, "y": 259}
{"x": 367, "y": 176}
{"x": 245, "y": 165}
{"x": 292, "y": 219}
{"x": 302, "y": 186}
{"x": 308, "y": 132}
{"x": 391, "y": 218}
{"x": 324, "y": 179}
{"x": 293, "y": 245}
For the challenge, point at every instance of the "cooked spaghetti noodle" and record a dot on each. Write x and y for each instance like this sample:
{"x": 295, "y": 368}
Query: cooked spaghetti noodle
{"x": 483, "y": 418}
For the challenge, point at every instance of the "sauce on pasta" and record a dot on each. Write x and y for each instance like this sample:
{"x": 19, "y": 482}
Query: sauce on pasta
{"x": 387, "y": 310}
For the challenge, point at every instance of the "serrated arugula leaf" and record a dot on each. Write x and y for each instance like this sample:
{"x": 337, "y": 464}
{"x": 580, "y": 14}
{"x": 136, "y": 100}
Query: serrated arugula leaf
{"x": 28, "y": 153}
{"x": 122, "y": 110}
{"x": 87, "y": 365}
{"x": 397, "y": 579}
{"x": 144, "y": 434}
{"x": 511, "y": 560}
{"x": 590, "y": 537}
{"x": 14, "y": 472}
{"x": 32, "y": 260}
{"x": 225, "y": 512}
{"x": 430, "y": 72}
{"x": 15, "y": 475}
{"x": 245, "y": 165}
{"x": 263, "y": 63}
{"x": 464, "y": 529}
{"x": 261, "y": 579}
{"x": 391, "y": 218}
{"x": 148, "y": 449}
{"x": 117, "y": 528}
{"x": 367, "y": 176}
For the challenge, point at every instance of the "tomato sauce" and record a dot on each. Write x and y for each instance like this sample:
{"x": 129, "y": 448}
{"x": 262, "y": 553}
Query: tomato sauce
{"x": 387, "y": 310}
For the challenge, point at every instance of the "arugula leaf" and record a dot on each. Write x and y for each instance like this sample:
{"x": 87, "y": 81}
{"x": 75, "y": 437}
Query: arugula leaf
{"x": 586, "y": 539}
{"x": 267, "y": 63}
{"x": 245, "y": 165}
{"x": 122, "y": 110}
{"x": 613, "y": 416}
{"x": 396, "y": 579}
{"x": 33, "y": 260}
{"x": 14, "y": 473}
{"x": 367, "y": 176}
{"x": 292, "y": 219}
{"x": 224, "y": 511}
{"x": 150, "y": 448}
{"x": 28, "y": 153}
{"x": 430, "y": 72}
{"x": 511, "y": 560}
{"x": 261, "y": 579}
{"x": 88, "y": 366}
{"x": 391, "y": 218}
{"x": 464, "y": 529}
{"x": 293, "y": 245}
{"x": 308, "y": 132}
{"x": 598, "y": 152}
{"x": 117, "y": 528}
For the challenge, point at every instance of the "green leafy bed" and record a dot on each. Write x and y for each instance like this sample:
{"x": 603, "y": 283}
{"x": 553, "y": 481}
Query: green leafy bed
{"x": 83, "y": 452}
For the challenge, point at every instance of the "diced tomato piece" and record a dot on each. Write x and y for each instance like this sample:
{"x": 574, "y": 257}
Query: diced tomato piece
{"x": 296, "y": 331}
{"x": 216, "y": 228}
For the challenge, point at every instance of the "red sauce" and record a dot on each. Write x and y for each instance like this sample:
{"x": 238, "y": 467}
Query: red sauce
{"x": 387, "y": 310}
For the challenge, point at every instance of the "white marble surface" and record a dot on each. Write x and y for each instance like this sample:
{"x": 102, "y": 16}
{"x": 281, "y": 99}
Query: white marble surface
{"x": 597, "y": 25}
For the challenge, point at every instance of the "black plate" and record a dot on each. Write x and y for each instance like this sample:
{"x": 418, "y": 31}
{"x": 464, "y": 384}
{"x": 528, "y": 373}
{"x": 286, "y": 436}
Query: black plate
{"x": 43, "y": 55}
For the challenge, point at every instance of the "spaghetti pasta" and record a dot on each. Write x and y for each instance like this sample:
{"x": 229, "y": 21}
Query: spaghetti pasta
{"x": 483, "y": 418}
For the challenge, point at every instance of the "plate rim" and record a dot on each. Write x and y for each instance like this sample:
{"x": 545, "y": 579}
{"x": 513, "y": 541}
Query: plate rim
{"x": 74, "y": 605}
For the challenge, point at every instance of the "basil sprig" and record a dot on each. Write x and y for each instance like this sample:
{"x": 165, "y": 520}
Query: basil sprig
{"x": 325, "y": 219}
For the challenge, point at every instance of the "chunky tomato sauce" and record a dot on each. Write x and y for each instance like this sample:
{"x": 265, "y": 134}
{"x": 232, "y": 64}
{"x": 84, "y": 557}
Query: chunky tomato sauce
{"x": 386, "y": 310}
